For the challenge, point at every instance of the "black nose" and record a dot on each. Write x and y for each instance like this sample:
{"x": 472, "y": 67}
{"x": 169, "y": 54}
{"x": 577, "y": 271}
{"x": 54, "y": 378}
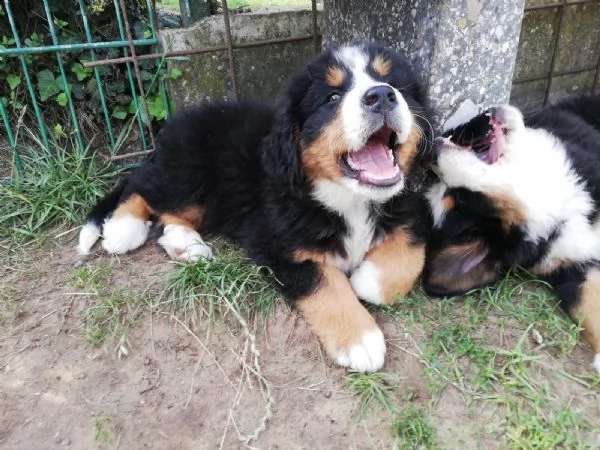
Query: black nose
{"x": 380, "y": 99}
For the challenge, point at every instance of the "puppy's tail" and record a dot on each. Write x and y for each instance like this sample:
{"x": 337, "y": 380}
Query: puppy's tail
{"x": 92, "y": 227}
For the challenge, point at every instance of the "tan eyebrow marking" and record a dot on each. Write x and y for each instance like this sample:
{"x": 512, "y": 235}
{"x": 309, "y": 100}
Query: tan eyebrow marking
{"x": 335, "y": 76}
{"x": 382, "y": 66}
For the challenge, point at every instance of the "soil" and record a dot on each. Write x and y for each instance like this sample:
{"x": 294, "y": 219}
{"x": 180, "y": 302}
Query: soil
{"x": 180, "y": 388}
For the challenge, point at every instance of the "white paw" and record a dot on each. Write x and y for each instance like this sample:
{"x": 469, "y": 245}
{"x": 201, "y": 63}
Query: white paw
{"x": 88, "y": 236}
{"x": 366, "y": 356}
{"x": 124, "y": 233}
{"x": 509, "y": 118}
{"x": 460, "y": 168}
{"x": 596, "y": 362}
{"x": 365, "y": 282}
{"x": 184, "y": 244}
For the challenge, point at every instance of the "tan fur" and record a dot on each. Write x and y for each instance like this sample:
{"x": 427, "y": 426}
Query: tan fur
{"x": 309, "y": 255}
{"x": 408, "y": 150}
{"x": 190, "y": 217}
{"x": 511, "y": 210}
{"x": 587, "y": 311}
{"x": 336, "y": 76}
{"x": 134, "y": 206}
{"x": 382, "y": 66}
{"x": 448, "y": 202}
{"x": 321, "y": 158}
{"x": 334, "y": 312}
{"x": 400, "y": 263}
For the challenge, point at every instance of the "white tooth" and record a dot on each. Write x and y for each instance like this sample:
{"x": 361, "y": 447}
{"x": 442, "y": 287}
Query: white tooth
{"x": 350, "y": 163}
{"x": 390, "y": 154}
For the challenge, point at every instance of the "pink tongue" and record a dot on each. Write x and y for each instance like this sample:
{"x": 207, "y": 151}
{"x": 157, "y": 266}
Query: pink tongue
{"x": 374, "y": 162}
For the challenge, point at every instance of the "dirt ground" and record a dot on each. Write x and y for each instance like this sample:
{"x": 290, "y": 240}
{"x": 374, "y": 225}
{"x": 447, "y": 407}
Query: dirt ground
{"x": 180, "y": 388}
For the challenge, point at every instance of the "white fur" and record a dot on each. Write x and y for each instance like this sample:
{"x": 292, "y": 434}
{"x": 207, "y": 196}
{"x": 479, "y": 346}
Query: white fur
{"x": 124, "y": 233}
{"x": 88, "y": 236}
{"x": 596, "y": 362}
{"x": 355, "y": 209}
{"x": 435, "y": 196}
{"x": 365, "y": 282}
{"x": 536, "y": 171}
{"x": 366, "y": 356}
{"x": 184, "y": 244}
{"x": 356, "y": 129}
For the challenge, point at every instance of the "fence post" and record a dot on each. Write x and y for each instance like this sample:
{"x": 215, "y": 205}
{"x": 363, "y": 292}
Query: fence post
{"x": 466, "y": 49}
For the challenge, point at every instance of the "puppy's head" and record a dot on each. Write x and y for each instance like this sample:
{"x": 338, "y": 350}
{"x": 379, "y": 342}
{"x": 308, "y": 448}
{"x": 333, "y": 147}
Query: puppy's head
{"x": 356, "y": 120}
{"x": 465, "y": 249}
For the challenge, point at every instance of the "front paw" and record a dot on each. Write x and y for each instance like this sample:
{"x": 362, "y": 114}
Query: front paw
{"x": 366, "y": 354}
{"x": 366, "y": 285}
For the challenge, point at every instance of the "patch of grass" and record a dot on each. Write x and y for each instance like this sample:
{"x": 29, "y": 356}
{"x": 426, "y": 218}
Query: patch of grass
{"x": 102, "y": 432}
{"x": 504, "y": 347}
{"x": 112, "y": 311}
{"x": 373, "y": 387}
{"x": 209, "y": 288}
{"x": 50, "y": 187}
{"x": 413, "y": 430}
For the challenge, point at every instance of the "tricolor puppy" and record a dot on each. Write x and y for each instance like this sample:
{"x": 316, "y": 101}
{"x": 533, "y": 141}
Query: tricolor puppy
{"x": 522, "y": 192}
{"x": 326, "y": 190}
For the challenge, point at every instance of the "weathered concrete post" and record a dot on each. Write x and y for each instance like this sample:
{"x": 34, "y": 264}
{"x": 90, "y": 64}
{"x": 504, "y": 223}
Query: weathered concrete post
{"x": 465, "y": 49}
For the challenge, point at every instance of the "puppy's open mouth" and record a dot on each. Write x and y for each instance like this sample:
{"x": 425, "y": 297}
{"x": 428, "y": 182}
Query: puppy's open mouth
{"x": 489, "y": 148}
{"x": 376, "y": 163}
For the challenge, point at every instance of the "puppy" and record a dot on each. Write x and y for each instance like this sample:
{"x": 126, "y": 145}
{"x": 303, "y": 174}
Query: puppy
{"x": 522, "y": 192}
{"x": 326, "y": 190}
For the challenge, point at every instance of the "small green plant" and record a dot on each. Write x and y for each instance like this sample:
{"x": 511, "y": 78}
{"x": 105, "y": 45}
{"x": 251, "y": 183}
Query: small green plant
{"x": 213, "y": 287}
{"x": 112, "y": 311}
{"x": 102, "y": 432}
{"x": 413, "y": 430}
{"x": 373, "y": 387}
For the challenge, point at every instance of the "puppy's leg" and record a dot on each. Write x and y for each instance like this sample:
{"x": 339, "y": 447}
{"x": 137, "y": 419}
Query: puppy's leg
{"x": 180, "y": 239}
{"x": 390, "y": 269}
{"x": 345, "y": 328}
{"x": 127, "y": 228}
{"x": 586, "y": 311}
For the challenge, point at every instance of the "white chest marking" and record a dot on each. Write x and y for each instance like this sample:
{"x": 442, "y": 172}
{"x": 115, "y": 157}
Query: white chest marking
{"x": 359, "y": 237}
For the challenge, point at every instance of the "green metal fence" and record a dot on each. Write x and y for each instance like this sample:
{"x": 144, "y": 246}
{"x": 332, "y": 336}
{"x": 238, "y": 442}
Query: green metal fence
{"x": 15, "y": 46}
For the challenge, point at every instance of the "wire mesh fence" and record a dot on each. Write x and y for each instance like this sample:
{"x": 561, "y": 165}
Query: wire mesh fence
{"x": 47, "y": 74}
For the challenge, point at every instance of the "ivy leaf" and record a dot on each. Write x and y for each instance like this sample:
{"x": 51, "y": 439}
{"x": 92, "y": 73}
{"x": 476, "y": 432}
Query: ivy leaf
{"x": 120, "y": 112}
{"x": 81, "y": 72}
{"x": 58, "y": 130}
{"x": 62, "y": 99}
{"x": 156, "y": 107}
{"x": 175, "y": 73}
{"x": 13, "y": 81}
{"x": 48, "y": 84}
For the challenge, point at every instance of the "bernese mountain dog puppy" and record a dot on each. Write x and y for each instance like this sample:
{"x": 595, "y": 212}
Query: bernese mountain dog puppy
{"x": 524, "y": 192}
{"x": 326, "y": 190}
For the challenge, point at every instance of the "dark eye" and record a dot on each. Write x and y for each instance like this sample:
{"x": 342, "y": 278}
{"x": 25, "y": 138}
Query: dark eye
{"x": 333, "y": 97}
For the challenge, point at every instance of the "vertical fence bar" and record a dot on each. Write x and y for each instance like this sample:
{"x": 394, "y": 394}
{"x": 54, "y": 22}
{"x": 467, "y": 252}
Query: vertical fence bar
{"x": 596, "y": 77}
{"x": 88, "y": 36}
{"x": 9, "y": 133}
{"x": 63, "y": 75}
{"x": 136, "y": 104}
{"x": 561, "y": 14}
{"x": 25, "y": 69}
{"x": 230, "y": 56}
{"x": 136, "y": 68}
{"x": 315, "y": 28}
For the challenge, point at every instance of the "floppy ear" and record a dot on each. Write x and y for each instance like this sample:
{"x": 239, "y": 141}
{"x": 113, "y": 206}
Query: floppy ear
{"x": 458, "y": 268}
{"x": 281, "y": 159}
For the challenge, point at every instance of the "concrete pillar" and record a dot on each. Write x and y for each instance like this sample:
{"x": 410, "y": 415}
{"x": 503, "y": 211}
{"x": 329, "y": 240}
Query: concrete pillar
{"x": 464, "y": 49}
